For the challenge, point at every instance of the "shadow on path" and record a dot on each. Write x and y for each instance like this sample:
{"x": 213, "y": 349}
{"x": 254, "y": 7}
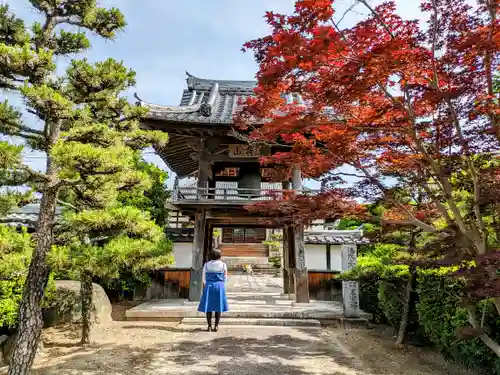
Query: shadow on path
{"x": 153, "y": 349}
{"x": 202, "y": 353}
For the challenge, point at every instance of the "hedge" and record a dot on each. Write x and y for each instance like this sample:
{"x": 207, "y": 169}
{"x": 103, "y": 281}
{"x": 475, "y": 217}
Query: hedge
{"x": 436, "y": 317}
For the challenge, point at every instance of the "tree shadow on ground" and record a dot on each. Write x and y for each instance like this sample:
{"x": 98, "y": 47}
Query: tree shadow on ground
{"x": 170, "y": 328}
{"x": 276, "y": 354}
{"x": 294, "y": 352}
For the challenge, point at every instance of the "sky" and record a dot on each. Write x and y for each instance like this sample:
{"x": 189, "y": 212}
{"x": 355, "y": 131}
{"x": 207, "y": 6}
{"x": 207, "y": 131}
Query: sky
{"x": 164, "y": 39}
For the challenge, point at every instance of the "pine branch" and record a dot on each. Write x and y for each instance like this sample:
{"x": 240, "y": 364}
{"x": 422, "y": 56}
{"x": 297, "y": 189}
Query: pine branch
{"x": 37, "y": 176}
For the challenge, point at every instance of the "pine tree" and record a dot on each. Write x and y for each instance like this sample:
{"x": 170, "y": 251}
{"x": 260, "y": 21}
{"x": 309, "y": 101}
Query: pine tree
{"x": 88, "y": 131}
{"x": 103, "y": 242}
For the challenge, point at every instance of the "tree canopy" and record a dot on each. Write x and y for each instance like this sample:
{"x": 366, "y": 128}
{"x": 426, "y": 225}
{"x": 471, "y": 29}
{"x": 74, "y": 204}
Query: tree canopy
{"x": 85, "y": 126}
{"x": 405, "y": 108}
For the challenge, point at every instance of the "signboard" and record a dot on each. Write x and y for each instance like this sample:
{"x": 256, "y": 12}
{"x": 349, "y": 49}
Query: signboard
{"x": 249, "y": 151}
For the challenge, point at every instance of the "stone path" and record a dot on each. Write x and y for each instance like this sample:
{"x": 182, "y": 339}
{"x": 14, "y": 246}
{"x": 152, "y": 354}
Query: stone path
{"x": 250, "y": 283}
{"x": 160, "y": 348}
{"x": 252, "y": 297}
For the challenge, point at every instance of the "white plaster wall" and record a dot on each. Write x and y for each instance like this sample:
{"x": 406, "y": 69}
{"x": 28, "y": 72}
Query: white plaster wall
{"x": 316, "y": 257}
{"x": 336, "y": 257}
{"x": 183, "y": 254}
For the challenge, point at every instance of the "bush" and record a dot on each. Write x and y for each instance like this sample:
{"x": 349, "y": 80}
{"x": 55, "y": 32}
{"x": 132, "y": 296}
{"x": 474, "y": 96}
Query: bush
{"x": 391, "y": 294}
{"x": 15, "y": 256}
{"x": 438, "y": 300}
{"x": 441, "y": 314}
{"x": 369, "y": 301}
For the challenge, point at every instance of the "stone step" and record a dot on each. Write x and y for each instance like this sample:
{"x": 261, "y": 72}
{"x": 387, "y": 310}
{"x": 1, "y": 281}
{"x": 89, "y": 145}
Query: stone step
{"x": 255, "y": 322}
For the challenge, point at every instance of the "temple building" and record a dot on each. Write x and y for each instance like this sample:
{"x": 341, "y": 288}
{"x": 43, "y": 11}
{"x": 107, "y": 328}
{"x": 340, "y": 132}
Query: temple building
{"x": 225, "y": 176}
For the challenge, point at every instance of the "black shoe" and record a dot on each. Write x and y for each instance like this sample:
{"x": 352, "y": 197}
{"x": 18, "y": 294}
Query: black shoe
{"x": 215, "y": 329}
{"x": 209, "y": 328}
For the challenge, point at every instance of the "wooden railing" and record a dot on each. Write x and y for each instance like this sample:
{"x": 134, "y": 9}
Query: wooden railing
{"x": 231, "y": 194}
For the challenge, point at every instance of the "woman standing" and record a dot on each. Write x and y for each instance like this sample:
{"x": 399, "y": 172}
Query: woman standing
{"x": 214, "y": 299}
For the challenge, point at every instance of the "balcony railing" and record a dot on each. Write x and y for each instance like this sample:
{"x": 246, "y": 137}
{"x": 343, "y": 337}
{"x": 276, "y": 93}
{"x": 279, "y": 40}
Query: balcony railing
{"x": 193, "y": 194}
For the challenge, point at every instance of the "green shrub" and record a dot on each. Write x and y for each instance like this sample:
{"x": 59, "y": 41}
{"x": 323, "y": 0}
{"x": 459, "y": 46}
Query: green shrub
{"x": 441, "y": 314}
{"x": 438, "y": 314}
{"x": 368, "y": 299}
{"x": 15, "y": 256}
{"x": 391, "y": 295}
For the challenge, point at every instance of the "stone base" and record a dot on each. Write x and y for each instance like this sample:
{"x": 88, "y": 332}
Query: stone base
{"x": 301, "y": 286}
{"x": 196, "y": 285}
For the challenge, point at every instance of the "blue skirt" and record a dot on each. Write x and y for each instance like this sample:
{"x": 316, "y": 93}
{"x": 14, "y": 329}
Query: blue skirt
{"x": 214, "y": 297}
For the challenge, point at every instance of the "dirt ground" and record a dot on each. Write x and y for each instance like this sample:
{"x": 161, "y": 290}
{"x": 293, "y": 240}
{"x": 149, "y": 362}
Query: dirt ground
{"x": 140, "y": 348}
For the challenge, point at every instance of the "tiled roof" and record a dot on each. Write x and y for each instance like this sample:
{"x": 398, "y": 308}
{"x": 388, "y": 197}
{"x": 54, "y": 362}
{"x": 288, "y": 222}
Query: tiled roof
{"x": 25, "y": 216}
{"x": 207, "y": 101}
{"x": 334, "y": 240}
{"x": 180, "y": 234}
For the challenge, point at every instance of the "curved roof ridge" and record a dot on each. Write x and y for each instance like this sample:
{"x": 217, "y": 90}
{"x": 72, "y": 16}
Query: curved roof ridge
{"x": 194, "y": 83}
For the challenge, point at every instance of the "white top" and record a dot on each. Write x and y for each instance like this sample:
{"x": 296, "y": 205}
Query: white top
{"x": 214, "y": 266}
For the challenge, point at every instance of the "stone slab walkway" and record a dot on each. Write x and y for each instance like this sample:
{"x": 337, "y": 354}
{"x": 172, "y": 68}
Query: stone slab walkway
{"x": 248, "y": 297}
{"x": 254, "y": 283}
{"x": 241, "y": 305}
{"x": 142, "y": 348}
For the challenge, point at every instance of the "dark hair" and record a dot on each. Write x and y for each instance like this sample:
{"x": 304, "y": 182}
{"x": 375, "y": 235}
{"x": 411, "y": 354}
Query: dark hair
{"x": 215, "y": 254}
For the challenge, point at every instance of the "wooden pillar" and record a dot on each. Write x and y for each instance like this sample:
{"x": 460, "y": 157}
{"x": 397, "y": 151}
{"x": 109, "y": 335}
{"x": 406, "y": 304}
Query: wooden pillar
{"x": 301, "y": 277}
{"x": 291, "y": 258}
{"x": 203, "y": 171}
{"x": 328, "y": 257}
{"x": 288, "y": 287}
{"x": 286, "y": 261}
{"x": 196, "y": 282}
{"x": 207, "y": 248}
{"x": 350, "y": 288}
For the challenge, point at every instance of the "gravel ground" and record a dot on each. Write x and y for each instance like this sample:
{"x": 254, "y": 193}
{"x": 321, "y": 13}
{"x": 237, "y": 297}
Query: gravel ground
{"x": 150, "y": 348}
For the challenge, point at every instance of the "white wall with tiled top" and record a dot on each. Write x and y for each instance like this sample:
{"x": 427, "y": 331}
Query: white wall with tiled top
{"x": 183, "y": 254}
{"x": 315, "y": 255}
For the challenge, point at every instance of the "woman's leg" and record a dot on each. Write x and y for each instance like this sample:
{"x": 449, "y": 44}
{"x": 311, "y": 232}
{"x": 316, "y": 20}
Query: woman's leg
{"x": 217, "y": 320}
{"x": 209, "y": 320}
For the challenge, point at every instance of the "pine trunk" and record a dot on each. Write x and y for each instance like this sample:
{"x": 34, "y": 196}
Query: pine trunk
{"x": 30, "y": 311}
{"x": 86, "y": 294}
{"x": 405, "y": 318}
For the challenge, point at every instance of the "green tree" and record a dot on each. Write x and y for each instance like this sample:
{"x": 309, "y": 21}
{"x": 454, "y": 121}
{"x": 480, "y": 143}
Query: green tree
{"x": 100, "y": 243}
{"x": 152, "y": 199}
{"x": 88, "y": 130}
{"x": 15, "y": 254}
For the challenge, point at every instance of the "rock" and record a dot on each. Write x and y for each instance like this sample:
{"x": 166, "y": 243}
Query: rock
{"x": 65, "y": 306}
{"x": 6, "y": 347}
{"x": 3, "y": 340}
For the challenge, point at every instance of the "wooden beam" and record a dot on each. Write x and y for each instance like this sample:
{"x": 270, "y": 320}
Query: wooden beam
{"x": 240, "y": 221}
{"x": 218, "y": 158}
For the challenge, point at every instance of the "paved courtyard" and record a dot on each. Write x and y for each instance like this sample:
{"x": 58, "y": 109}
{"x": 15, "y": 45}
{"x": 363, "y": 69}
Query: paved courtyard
{"x": 146, "y": 348}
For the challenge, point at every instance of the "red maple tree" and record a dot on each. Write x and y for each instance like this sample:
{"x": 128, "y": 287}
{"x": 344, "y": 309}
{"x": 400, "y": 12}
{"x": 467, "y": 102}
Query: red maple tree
{"x": 399, "y": 103}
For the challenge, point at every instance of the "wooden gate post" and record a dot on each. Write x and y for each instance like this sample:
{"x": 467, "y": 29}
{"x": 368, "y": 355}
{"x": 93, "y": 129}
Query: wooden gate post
{"x": 301, "y": 276}
{"x": 288, "y": 288}
{"x": 286, "y": 261}
{"x": 196, "y": 282}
